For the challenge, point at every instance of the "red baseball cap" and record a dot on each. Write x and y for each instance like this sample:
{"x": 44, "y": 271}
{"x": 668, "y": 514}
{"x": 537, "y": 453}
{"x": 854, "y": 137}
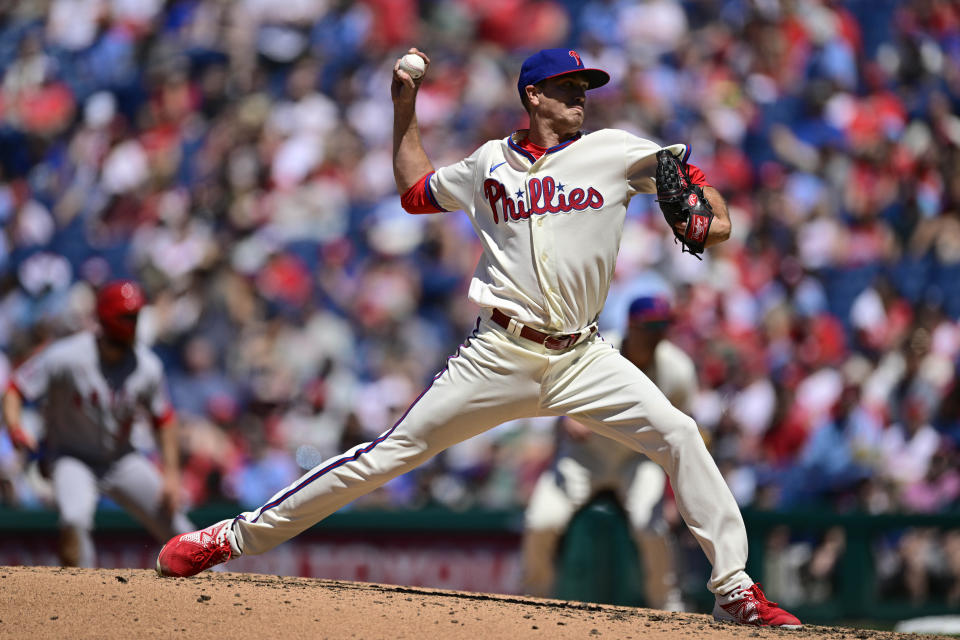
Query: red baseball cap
{"x": 118, "y": 304}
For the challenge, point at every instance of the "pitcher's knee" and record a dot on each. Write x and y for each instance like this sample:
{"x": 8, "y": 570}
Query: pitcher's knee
{"x": 409, "y": 450}
{"x": 680, "y": 429}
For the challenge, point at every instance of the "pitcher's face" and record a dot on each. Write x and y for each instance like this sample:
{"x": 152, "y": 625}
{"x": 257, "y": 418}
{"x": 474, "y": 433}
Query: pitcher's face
{"x": 561, "y": 101}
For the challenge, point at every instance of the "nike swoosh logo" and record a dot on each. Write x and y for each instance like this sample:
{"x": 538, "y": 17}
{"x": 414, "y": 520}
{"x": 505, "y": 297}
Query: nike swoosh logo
{"x": 494, "y": 167}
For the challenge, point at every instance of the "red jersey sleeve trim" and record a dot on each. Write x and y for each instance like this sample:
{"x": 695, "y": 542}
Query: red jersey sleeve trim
{"x": 419, "y": 198}
{"x": 165, "y": 420}
{"x": 696, "y": 176}
{"x": 12, "y": 386}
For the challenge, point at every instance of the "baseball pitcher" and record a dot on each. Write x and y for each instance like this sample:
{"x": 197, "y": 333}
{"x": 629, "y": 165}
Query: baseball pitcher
{"x": 548, "y": 204}
{"x": 92, "y": 387}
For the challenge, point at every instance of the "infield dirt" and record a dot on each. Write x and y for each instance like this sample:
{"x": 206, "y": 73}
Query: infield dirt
{"x": 37, "y": 603}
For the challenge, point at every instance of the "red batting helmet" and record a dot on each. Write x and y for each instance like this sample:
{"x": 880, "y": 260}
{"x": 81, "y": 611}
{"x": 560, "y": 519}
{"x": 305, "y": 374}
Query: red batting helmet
{"x": 118, "y": 304}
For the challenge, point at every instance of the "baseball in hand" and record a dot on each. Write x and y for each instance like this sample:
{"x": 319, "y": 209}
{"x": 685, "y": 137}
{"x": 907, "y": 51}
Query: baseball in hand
{"x": 413, "y": 65}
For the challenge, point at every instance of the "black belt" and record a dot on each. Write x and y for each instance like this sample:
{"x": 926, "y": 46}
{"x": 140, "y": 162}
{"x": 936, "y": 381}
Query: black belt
{"x": 549, "y": 340}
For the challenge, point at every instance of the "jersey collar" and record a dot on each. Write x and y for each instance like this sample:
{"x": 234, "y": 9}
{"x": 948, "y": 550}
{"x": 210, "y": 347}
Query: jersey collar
{"x": 529, "y": 156}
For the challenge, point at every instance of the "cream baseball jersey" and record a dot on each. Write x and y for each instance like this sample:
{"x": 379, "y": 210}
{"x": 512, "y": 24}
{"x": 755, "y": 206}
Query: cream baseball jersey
{"x": 550, "y": 227}
{"x": 88, "y": 408}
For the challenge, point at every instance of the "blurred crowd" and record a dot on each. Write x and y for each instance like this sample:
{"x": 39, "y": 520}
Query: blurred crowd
{"x": 235, "y": 158}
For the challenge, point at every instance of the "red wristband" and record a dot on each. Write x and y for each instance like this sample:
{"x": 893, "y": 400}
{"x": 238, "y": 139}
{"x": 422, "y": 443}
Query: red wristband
{"x": 19, "y": 437}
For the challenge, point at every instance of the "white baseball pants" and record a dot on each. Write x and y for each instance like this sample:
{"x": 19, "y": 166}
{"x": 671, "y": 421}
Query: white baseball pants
{"x": 575, "y": 479}
{"x": 133, "y": 482}
{"x": 495, "y": 377}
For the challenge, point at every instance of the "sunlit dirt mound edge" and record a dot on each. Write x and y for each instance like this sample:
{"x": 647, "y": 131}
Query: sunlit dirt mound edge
{"x": 46, "y": 602}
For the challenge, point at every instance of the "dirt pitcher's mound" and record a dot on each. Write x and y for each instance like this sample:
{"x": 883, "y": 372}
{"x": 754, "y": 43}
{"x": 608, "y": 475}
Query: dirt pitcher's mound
{"x": 43, "y": 602}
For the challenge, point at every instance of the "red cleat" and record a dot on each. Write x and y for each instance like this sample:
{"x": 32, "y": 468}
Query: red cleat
{"x": 748, "y": 605}
{"x": 190, "y": 553}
